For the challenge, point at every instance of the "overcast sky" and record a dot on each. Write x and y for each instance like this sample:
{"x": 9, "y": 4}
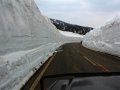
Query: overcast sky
{"x": 82, "y": 12}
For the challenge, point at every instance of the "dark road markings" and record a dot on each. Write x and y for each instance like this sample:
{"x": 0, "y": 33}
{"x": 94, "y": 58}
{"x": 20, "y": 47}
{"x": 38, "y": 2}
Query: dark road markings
{"x": 96, "y": 64}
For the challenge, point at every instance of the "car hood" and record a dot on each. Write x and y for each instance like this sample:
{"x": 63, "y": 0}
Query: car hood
{"x": 88, "y": 83}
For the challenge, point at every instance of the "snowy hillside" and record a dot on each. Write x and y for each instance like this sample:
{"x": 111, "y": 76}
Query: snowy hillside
{"x": 27, "y": 39}
{"x": 105, "y": 38}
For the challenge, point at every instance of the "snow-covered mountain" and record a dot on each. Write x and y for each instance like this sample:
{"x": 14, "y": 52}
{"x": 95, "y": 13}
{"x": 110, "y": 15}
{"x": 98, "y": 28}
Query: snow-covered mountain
{"x": 71, "y": 27}
{"x": 27, "y": 39}
{"x": 105, "y": 38}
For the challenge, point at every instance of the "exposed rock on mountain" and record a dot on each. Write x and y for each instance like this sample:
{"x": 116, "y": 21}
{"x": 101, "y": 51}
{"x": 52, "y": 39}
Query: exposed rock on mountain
{"x": 70, "y": 27}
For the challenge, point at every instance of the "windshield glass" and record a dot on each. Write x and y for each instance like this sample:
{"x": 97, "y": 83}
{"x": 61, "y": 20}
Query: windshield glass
{"x": 46, "y": 44}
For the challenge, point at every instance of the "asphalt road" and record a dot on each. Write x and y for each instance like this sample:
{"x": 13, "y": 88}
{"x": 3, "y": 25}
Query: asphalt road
{"x": 74, "y": 58}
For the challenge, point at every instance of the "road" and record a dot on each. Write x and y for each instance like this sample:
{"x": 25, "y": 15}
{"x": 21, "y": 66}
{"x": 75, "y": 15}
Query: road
{"x": 74, "y": 58}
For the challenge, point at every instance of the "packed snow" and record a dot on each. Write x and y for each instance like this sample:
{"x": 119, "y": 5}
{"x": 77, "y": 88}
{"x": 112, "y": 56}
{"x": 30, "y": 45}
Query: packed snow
{"x": 17, "y": 65}
{"x": 105, "y": 38}
{"x": 70, "y": 34}
{"x": 27, "y": 40}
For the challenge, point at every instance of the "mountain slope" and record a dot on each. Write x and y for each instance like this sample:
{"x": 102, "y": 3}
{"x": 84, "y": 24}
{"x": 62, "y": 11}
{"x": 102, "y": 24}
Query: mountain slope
{"x": 70, "y": 27}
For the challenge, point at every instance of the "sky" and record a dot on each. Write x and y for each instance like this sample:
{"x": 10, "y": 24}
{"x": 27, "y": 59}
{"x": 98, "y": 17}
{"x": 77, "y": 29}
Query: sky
{"x": 92, "y": 13}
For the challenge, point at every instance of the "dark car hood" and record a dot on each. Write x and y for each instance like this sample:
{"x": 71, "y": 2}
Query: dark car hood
{"x": 89, "y": 83}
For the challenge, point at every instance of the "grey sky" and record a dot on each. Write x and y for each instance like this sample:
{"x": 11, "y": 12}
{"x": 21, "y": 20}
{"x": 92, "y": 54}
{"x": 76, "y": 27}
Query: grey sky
{"x": 82, "y": 12}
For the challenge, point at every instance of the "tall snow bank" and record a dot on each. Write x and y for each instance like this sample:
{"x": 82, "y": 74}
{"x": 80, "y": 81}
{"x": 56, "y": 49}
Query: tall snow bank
{"x": 105, "y": 38}
{"x": 17, "y": 67}
{"x": 27, "y": 40}
{"x": 23, "y": 27}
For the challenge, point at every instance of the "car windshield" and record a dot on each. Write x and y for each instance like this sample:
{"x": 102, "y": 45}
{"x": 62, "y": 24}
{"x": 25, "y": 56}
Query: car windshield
{"x": 59, "y": 44}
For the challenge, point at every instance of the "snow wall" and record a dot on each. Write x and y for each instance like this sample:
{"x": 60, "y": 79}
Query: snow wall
{"x": 105, "y": 38}
{"x": 23, "y": 27}
{"x": 27, "y": 40}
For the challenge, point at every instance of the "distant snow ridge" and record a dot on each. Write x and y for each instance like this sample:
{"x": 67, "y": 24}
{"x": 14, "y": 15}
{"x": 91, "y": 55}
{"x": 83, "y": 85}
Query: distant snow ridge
{"x": 105, "y": 38}
{"x": 71, "y": 34}
{"x": 27, "y": 40}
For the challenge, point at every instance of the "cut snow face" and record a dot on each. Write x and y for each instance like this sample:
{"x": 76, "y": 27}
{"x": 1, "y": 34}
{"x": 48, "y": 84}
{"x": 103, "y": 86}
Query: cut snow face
{"x": 27, "y": 39}
{"x": 70, "y": 34}
{"x": 22, "y": 26}
{"x": 105, "y": 38}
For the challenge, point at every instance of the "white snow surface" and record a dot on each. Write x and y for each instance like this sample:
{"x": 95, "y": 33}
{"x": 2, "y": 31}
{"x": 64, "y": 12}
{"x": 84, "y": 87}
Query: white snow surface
{"x": 70, "y": 34}
{"x": 105, "y": 38}
{"x": 27, "y": 40}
